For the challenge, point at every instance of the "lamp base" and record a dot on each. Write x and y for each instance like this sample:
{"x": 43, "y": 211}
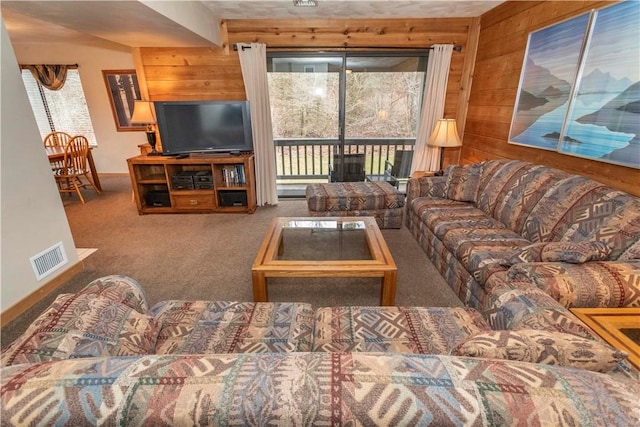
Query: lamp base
{"x": 151, "y": 139}
{"x": 441, "y": 172}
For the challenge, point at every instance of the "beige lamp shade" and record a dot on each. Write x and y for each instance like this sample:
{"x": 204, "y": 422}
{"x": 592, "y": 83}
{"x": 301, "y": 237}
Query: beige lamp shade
{"x": 143, "y": 113}
{"x": 445, "y": 134}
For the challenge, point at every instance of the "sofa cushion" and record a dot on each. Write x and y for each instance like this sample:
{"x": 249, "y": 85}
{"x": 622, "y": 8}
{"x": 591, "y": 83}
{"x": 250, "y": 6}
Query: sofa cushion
{"x": 475, "y": 247}
{"x": 583, "y": 210}
{"x": 194, "y": 327}
{"x": 554, "y": 212}
{"x": 462, "y": 182}
{"x": 488, "y": 269}
{"x": 441, "y": 215}
{"x": 84, "y": 325}
{"x": 592, "y": 284}
{"x": 512, "y": 191}
{"x": 571, "y": 252}
{"x": 551, "y": 348}
{"x": 431, "y": 330}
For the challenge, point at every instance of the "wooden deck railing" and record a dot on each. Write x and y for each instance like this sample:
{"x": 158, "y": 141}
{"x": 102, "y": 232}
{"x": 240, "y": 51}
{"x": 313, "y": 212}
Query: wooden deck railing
{"x": 309, "y": 158}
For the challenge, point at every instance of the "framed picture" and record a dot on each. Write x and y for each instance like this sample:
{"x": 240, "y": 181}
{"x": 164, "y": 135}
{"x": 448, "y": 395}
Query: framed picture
{"x": 123, "y": 90}
{"x": 579, "y": 91}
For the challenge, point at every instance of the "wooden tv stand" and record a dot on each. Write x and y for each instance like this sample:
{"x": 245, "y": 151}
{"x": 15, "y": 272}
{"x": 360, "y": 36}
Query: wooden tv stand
{"x": 225, "y": 183}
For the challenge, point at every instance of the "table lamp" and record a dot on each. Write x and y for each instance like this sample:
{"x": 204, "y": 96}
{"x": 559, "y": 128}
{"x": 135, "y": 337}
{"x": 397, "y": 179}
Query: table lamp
{"x": 143, "y": 114}
{"x": 445, "y": 135}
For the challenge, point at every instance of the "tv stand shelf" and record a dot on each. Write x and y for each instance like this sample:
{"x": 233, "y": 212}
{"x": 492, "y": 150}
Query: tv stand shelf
{"x": 221, "y": 183}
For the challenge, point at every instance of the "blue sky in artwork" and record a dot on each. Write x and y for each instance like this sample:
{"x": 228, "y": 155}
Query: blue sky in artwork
{"x": 616, "y": 40}
{"x": 557, "y": 48}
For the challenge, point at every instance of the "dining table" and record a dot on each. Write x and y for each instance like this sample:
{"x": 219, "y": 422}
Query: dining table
{"x": 57, "y": 154}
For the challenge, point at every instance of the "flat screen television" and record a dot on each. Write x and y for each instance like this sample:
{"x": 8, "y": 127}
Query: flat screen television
{"x": 204, "y": 126}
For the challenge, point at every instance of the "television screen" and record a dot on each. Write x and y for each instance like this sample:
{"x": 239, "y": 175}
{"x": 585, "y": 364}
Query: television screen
{"x": 204, "y": 126}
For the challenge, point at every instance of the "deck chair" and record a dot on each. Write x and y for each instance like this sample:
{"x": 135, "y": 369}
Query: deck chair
{"x": 75, "y": 167}
{"x": 353, "y": 168}
{"x": 401, "y": 167}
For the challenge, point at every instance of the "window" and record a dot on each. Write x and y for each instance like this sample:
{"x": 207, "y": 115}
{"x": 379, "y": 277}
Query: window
{"x": 60, "y": 110}
{"x": 327, "y": 104}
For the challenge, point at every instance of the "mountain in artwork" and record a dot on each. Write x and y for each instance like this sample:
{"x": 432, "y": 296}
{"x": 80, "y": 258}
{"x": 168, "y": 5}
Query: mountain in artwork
{"x": 551, "y": 91}
{"x": 538, "y": 80}
{"x": 527, "y": 101}
{"x": 599, "y": 82}
{"x": 621, "y": 114}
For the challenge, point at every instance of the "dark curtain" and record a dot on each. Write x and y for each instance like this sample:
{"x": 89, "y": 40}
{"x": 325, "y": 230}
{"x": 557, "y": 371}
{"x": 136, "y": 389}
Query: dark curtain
{"x": 50, "y": 76}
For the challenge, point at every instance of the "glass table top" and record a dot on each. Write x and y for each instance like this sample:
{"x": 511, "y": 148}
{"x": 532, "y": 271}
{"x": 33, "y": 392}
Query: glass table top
{"x": 323, "y": 240}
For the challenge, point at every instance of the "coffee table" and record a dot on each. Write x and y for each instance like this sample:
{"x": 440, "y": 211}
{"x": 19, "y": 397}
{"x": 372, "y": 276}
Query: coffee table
{"x": 324, "y": 247}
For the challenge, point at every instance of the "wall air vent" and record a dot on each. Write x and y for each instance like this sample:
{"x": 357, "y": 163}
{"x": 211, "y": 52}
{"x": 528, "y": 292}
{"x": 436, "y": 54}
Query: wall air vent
{"x": 48, "y": 261}
{"x": 305, "y": 3}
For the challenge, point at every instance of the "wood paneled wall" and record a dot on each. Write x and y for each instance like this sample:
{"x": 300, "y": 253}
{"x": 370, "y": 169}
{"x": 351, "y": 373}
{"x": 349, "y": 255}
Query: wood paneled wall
{"x": 194, "y": 73}
{"x": 214, "y": 73}
{"x": 501, "y": 48}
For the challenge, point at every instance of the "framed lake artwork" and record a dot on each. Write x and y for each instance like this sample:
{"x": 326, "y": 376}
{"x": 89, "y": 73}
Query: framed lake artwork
{"x": 579, "y": 90}
{"x": 122, "y": 87}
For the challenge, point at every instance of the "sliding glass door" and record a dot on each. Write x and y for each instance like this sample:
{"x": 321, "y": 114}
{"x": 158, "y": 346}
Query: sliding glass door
{"x": 383, "y": 94}
{"x": 343, "y": 116}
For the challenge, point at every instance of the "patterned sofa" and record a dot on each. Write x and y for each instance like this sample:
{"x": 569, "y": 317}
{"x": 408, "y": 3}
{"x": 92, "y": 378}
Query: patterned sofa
{"x": 502, "y": 225}
{"x": 103, "y": 357}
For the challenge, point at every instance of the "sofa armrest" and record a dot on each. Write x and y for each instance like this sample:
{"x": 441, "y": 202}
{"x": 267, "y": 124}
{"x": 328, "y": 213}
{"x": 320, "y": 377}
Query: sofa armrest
{"x": 312, "y": 389}
{"x": 514, "y": 305}
{"x": 427, "y": 186}
{"x": 591, "y": 284}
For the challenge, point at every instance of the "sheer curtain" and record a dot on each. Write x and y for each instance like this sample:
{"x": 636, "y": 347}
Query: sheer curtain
{"x": 253, "y": 61}
{"x": 427, "y": 158}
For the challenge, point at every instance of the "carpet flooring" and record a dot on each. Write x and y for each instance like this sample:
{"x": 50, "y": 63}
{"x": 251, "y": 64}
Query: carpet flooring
{"x": 209, "y": 257}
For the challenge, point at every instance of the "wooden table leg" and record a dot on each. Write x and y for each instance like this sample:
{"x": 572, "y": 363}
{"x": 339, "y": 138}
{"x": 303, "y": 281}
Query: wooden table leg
{"x": 94, "y": 171}
{"x": 259, "y": 287}
{"x": 388, "y": 296}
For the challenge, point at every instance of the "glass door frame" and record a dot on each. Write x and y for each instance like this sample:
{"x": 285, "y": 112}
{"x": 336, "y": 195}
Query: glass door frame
{"x": 343, "y": 55}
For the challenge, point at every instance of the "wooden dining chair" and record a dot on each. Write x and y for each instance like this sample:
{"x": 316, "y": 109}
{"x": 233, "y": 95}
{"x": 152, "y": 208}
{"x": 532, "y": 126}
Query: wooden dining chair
{"x": 57, "y": 139}
{"x": 75, "y": 167}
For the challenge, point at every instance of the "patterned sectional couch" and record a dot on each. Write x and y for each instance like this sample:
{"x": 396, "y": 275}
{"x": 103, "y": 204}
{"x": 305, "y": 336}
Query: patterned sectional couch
{"x": 103, "y": 357}
{"x": 516, "y": 224}
{"x": 523, "y": 243}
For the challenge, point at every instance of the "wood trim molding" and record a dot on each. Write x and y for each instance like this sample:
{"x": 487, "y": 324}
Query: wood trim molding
{"x": 27, "y": 302}
{"x": 142, "y": 78}
{"x": 467, "y": 76}
{"x": 466, "y": 82}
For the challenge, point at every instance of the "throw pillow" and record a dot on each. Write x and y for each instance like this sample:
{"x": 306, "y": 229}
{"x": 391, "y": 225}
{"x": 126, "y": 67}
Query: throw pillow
{"x": 84, "y": 325}
{"x": 531, "y": 253}
{"x": 551, "y": 348}
{"x": 571, "y": 252}
{"x": 576, "y": 252}
{"x": 462, "y": 182}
